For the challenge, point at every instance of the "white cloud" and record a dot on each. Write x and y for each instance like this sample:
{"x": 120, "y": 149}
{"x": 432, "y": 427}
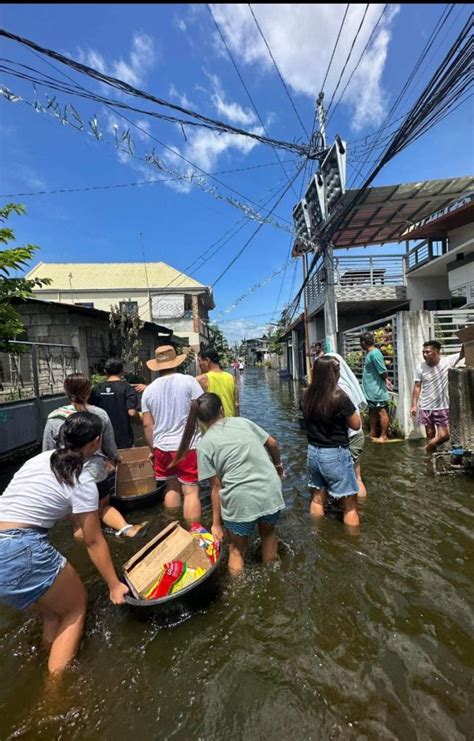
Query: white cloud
{"x": 203, "y": 147}
{"x": 132, "y": 71}
{"x": 144, "y": 130}
{"x": 29, "y": 177}
{"x": 233, "y": 112}
{"x": 302, "y": 38}
{"x": 241, "y": 329}
{"x": 182, "y": 98}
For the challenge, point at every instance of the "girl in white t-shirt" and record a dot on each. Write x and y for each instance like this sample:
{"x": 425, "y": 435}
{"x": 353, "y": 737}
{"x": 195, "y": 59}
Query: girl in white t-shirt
{"x": 48, "y": 488}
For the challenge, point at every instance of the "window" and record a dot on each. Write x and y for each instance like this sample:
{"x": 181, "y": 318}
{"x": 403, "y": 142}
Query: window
{"x": 188, "y": 303}
{"x": 128, "y": 307}
{"x": 85, "y": 304}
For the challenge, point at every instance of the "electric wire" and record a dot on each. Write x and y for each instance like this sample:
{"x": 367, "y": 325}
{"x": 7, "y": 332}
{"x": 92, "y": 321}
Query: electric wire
{"x": 278, "y": 71}
{"x": 357, "y": 64}
{"x": 165, "y": 146}
{"x": 347, "y": 59}
{"x": 130, "y": 185}
{"x": 136, "y": 92}
{"x": 335, "y": 47}
{"x": 440, "y": 97}
{"x": 438, "y": 26}
{"x": 229, "y": 53}
{"x": 241, "y": 251}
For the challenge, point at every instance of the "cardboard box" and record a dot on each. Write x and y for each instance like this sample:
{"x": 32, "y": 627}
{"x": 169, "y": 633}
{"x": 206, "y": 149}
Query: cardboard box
{"x": 172, "y": 543}
{"x": 466, "y": 336}
{"x": 134, "y": 476}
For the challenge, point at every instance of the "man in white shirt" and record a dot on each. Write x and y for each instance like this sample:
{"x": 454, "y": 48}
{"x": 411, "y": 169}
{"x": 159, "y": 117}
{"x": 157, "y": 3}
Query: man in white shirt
{"x": 432, "y": 393}
{"x": 166, "y": 404}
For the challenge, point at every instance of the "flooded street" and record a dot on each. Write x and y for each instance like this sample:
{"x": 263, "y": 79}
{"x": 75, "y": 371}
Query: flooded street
{"x": 363, "y": 636}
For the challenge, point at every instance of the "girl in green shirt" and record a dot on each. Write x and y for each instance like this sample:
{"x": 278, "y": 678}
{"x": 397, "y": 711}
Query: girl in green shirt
{"x": 243, "y": 464}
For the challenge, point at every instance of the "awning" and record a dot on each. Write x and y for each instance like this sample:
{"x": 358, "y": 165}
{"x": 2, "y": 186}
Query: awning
{"x": 385, "y": 214}
{"x": 437, "y": 225}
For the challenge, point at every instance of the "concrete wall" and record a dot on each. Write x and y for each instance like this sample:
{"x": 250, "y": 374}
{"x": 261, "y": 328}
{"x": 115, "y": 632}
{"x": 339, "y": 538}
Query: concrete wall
{"x": 58, "y": 325}
{"x": 424, "y": 289}
{"x": 461, "y": 279}
{"x": 182, "y": 327}
{"x": 462, "y": 236}
{"x": 90, "y": 335}
{"x": 102, "y": 300}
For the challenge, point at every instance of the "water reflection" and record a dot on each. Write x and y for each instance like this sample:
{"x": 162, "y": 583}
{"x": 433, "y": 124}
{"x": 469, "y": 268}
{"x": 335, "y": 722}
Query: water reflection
{"x": 348, "y": 637}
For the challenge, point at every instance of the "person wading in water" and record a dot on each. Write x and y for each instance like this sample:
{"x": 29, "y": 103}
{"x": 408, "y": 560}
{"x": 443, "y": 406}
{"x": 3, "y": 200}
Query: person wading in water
{"x": 47, "y": 488}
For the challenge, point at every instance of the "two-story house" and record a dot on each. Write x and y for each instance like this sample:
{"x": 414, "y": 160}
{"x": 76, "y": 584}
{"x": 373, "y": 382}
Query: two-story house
{"x": 421, "y": 258}
{"x": 154, "y": 290}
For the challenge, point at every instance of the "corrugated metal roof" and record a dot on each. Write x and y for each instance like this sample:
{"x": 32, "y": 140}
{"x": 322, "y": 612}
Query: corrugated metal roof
{"x": 383, "y": 214}
{"x": 435, "y": 226}
{"x": 83, "y": 276}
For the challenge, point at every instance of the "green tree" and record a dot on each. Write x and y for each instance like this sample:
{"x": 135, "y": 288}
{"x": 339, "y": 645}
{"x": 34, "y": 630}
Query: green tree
{"x": 14, "y": 258}
{"x": 219, "y": 343}
{"x": 274, "y": 337}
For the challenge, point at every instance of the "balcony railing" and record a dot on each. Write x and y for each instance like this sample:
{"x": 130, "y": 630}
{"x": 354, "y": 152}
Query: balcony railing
{"x": 354, "y": 275}
{"x": 425, "y": 251}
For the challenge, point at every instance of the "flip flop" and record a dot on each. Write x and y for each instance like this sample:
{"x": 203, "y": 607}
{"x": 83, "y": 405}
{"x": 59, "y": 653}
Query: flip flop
{"x": 141, "y": 530}
{"x": 391, "y": 440}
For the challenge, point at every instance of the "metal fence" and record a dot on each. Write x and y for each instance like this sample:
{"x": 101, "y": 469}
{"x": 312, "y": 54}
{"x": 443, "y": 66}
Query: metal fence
{"x": 34, "y": 369}
{"x": 385, "y": 334}
{"x": 356, "y": 274}
{"x": 363, "y": 271}
{"x": 445, "y": 324}
{"x": 425, "y": 251}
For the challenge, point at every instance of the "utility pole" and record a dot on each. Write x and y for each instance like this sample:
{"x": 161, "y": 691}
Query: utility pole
{"x": 307, "y": 344}
{"x": 321, "y": 118}
{"x": 330, "y": 305}
{"x": 311, "y": 216}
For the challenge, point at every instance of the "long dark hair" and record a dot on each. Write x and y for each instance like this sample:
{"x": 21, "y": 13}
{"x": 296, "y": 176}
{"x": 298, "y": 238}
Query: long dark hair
{"x": 78, "y": 387}
{"x": 78, "y": 430}
{"x": 205, "y": 409}
{"x": 323, "y": 396}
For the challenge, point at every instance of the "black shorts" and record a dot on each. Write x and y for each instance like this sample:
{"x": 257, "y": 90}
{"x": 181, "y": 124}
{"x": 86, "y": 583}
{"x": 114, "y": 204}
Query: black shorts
{"x": 106, "y": 487}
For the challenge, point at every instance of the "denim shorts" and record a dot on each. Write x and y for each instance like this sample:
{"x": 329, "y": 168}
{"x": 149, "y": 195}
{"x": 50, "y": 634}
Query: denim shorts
{"x": 28, "y": 566}
{"x": 331, "y": 469}
{"x": 246, "y": 528}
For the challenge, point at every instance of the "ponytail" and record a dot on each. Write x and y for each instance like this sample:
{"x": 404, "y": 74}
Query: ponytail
{"x": 206, "y": 409}
{"x": 188, "y": 434}
{"x": 66, "y": 465}
{"x": 78, "y": 430}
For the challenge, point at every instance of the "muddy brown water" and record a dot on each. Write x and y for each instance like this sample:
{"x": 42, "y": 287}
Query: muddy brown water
{"x": 363, "y": 636}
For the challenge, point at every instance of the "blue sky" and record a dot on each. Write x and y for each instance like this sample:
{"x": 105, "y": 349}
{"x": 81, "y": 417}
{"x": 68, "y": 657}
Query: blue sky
{"x": 175, "y": 52}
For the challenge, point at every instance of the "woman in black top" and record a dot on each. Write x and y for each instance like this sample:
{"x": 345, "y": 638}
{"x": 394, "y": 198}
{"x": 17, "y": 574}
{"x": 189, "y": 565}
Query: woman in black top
{"x": 328, "y": 412}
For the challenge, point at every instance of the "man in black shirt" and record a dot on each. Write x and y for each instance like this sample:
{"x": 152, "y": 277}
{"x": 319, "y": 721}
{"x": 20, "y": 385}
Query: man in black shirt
{"x": 120, "y": 401}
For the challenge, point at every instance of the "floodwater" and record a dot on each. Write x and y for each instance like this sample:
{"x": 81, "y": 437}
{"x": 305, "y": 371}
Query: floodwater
{"x": 361, "y": 636}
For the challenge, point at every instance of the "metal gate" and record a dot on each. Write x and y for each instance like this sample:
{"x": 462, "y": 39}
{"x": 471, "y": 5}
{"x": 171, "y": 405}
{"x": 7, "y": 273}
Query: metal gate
{"x": 385, "y": 336}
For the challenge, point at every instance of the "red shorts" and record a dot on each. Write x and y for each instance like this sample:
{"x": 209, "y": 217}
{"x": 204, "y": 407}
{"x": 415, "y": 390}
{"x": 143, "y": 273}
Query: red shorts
{"x": 186, "y": 471}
